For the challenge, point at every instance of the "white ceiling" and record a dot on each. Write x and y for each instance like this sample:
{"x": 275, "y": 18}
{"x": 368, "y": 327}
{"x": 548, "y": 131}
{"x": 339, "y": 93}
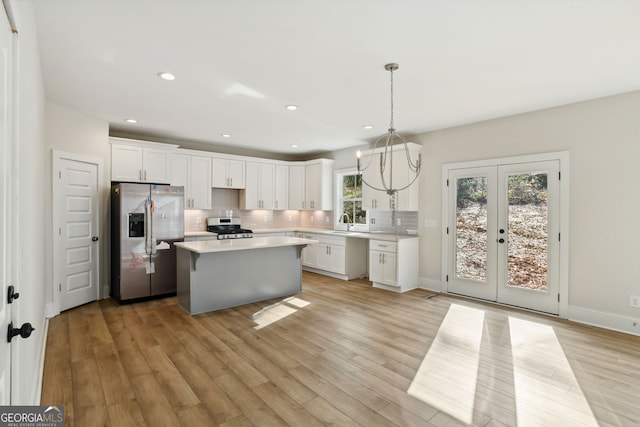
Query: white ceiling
{"x": 239, "y": 62}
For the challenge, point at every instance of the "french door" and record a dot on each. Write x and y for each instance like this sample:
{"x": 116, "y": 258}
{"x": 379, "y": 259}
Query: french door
{"x": 504, "y": 232}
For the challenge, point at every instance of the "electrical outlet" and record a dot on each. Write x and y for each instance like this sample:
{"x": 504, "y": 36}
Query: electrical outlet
{"x": 634, "y": 301}
{"x": 326, "y": 218}
{"x": 199, "y": 220}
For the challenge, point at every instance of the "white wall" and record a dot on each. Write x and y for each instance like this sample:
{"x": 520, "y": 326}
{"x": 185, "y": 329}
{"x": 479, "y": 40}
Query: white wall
{"x": 603, "y": 138}
{"x": 31, "y": 278}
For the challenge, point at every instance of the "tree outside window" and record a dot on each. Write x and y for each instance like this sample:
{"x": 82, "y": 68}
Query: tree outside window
{"x": 352, "y": 199}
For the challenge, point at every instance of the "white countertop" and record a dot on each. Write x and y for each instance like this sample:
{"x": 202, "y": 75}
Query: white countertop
{"x": 361, "y": 235}
{"x": 210, "y": 246}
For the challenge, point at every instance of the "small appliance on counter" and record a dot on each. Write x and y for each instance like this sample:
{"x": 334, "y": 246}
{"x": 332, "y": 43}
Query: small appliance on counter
{"x": 227, "y": 228}
{"x": 146, "y": 221}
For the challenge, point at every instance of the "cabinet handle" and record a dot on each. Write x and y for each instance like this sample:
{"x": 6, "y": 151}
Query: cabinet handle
{"x": 140, "y": 174}
{"x": 383, "y": 260}
{"x": 145, "y": 174}
{"x": 231, "y": 182}
{"x": 276, "y": 204}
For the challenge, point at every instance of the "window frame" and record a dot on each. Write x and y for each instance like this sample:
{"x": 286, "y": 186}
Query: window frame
{"x": 339, "y": 202}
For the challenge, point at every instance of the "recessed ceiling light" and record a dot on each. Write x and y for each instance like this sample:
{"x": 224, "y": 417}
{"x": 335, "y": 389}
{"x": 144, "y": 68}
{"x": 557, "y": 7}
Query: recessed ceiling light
{"x": 367, "y": 127}
{"x": 226, "y": 135}
{"x": 166, "y": 76}
{"x": 294, "y": 146}
{"x": 133, "y": 121}
{"x": 291, "y": 107}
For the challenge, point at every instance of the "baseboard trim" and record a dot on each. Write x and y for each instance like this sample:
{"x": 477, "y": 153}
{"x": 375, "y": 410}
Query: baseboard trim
{"x": 43, "y": 347}
{"x": 601, "y": 319}
{"x": 50, "y": 311}
{"x": 430, "y": 284}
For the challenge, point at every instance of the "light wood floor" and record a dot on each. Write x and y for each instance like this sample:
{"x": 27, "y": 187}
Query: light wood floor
{"x": 353, "y": 355}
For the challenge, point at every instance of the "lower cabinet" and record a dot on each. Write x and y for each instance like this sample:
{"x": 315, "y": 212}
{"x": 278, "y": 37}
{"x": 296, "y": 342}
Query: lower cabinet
{"x": 394, "y": 265}
{"x": 336, "y": 256}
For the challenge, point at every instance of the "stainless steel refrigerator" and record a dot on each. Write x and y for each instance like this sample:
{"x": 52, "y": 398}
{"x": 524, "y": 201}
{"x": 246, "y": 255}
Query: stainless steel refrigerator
{"x": 146, "y": 221}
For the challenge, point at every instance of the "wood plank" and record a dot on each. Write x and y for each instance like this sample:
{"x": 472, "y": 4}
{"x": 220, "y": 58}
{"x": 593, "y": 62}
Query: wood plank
{"x": 347, "y": 358}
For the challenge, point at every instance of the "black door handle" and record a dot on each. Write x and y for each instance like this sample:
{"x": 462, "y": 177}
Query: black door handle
{"x": 24, "y": 331}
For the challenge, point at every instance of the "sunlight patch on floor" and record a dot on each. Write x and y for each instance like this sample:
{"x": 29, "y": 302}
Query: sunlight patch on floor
{"x": 546, "y": 389}
{"x": 447, "y": 375}
{"x": 277, "y": 311}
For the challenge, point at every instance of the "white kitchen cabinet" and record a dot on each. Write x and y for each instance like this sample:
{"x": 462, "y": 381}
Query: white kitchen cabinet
{"x": 407, "y": 199}
{"x": 296, "y": 186}
{"x": 373, "y": 199}
{"x": 336, "y": 256}
{"x": 227, "y": 173}
{"x": 139, "y": 161}
{"x": 309, "y": 251}
{"x": 259, "y": 192}
{"x": 318, "y": 184}
{"x": 394, "y": 265}
{"x": 194, "y": 173}
{"x": 382, "y": 262}
{"x": 281, "y": 187}
{"x": 311, "y": 185}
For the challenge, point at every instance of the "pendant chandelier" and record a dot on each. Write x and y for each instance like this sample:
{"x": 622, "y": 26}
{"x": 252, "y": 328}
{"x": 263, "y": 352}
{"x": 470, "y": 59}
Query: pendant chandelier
{"x": 387, "y": 141}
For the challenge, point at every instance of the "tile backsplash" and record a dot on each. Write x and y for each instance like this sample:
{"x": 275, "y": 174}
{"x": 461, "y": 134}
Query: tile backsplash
{"x": 225, "y": 203}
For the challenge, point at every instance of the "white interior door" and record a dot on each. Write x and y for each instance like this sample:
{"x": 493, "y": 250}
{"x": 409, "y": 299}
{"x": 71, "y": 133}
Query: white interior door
{"x": 503, "y": 234}
{"x": 76, "y": 206}
{"x": 6, "y": 185}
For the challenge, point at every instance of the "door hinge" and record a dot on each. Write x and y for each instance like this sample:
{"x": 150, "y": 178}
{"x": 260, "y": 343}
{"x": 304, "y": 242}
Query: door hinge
{"x": 59, "y": 231}
{"x": 447, "y": 230}
{"x": 559, "y": 175}
{"x": 447, "y": 182}
{"x": 558, "y": 237}
{"x": 59, "y": 287}
{"x": 558, "y": 297}
{"x": 59, "y": 174}
{"x": 447, "y": 278}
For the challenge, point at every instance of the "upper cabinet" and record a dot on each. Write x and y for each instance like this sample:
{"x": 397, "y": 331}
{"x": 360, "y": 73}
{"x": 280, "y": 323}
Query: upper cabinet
{"x": 281, "y": 187}
{"x": 138, "y": 161}
{"x": 311, "y": 185}
{"x": 318, "y": 184}
{"x": 194, "y": 173}
{"x": 296, "y": 186}
{"x": 407, "y": 199}
{"x": 259, "y": 192}
{"x": 228, "y": 173}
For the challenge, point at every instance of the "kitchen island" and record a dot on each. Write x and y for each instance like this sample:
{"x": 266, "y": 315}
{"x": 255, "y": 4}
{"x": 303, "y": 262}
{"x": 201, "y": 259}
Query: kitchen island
{"x": 217, "y": 274}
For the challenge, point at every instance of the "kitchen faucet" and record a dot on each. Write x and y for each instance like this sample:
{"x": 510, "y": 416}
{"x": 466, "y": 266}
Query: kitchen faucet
{"x": 348, "y": 220}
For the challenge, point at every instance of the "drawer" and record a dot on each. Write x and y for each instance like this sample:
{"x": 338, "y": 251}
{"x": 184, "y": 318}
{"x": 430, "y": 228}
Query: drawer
{"x": 331, "y": 240}
{"x": 383, "y": 245}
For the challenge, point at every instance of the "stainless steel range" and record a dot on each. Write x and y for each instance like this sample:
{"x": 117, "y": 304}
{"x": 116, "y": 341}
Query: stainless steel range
{"x": 227, "y": 228}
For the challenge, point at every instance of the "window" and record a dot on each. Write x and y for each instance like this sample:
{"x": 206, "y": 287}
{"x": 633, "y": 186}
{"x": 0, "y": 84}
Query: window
{"x": 349, "y": 203}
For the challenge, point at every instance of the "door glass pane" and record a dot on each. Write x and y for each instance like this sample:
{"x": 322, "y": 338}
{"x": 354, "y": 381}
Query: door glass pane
{"x": 471, "y": 228}
{"x": 527, "y": 231}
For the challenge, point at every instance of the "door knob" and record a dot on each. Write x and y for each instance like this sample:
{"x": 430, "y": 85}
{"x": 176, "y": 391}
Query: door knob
{"x": 24, "y": 331}
{"x": 94, "y": 239}
{"x": 500, "y": 240}
{"x": 502, "y": 231}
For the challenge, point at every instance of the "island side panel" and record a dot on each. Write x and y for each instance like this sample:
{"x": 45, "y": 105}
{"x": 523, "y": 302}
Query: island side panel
{"x": 183, "y": 268}
{"x": 220, "y": 280}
